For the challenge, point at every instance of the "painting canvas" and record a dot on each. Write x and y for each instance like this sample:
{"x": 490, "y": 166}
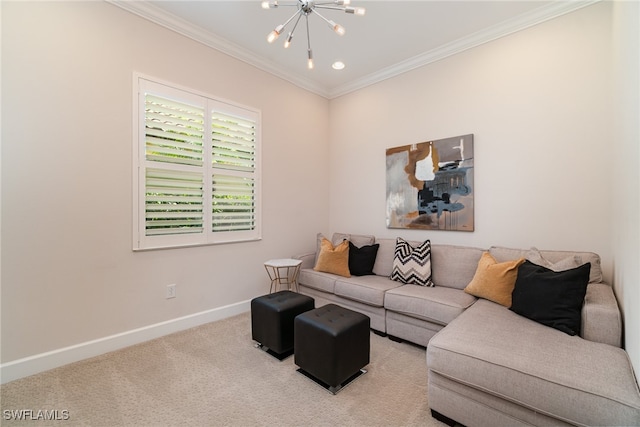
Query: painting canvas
{"x": 430, "y": 185}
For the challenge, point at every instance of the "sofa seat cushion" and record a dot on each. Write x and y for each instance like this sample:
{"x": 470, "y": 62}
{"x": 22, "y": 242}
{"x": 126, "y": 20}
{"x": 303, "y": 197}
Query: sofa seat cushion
{"x": 319, "y": 280}
{"x": 545, "y": 370}
{"x": 438, "y": 304}
{"x": 366, "y": 289}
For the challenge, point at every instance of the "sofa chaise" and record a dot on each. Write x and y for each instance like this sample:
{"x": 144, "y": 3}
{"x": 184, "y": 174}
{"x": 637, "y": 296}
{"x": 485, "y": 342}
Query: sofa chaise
{"x": 488, "y": 365}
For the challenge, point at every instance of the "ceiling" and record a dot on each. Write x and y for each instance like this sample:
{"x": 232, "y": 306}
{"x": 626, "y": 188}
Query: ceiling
{"x": 391, "y": 38}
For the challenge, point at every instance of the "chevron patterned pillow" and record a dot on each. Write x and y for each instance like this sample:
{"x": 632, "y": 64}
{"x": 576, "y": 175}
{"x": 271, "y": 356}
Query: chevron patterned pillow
{"x": 412, "y": 265}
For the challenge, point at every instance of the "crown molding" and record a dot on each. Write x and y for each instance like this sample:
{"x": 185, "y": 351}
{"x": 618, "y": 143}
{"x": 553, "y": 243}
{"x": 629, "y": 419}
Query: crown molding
{"x": 154, "y": 14}
{"x": 487, "y": 35}
{"x": 158, "y": 16}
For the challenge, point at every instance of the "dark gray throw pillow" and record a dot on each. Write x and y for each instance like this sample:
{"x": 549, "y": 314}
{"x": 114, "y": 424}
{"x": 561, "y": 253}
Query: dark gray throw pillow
{"x": 362, "y": 259}
{"x": 551, "y": 298}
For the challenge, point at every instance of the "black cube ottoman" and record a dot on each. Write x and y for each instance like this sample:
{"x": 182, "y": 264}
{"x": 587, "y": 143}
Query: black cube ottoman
{"x": 332, "y": 345}
{"x": 272, "y": 320}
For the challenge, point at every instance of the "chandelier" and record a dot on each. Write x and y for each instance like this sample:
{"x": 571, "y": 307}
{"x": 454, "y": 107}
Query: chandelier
{"x": 306, "y": 8}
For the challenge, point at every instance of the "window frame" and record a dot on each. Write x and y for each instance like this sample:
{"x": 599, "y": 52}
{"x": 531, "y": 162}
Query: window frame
{"x": 142, "y": 85}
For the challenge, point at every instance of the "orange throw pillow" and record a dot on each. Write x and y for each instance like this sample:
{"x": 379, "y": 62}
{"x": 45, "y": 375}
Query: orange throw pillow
{"x": 494, "y": 281}
{"x": 333, "y": 260}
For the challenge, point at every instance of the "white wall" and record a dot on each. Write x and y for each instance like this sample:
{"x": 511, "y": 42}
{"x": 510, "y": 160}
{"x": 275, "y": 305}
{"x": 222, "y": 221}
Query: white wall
{"x": 626, "y": 189}
{"x": 68, "y": 271}
{"x": 538, "y": 103}
{"x": 548, "y": 161}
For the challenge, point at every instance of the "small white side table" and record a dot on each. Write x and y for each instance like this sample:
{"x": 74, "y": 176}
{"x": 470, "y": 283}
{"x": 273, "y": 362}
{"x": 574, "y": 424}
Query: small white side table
{"x": 283, "y": 272}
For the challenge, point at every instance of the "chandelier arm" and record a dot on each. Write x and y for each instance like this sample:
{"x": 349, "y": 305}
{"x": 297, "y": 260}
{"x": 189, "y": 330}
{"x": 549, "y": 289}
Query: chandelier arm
{"x": 330, "y": 23}
{"x": 340, "y": 8}
{"x": 346, "y": 9}
{"x": 266, "y": 4}
{"x": 273, "y": 35}
{"x": 322, "y": 3}
{"x": 309, "y": 52}
{"x": 296, "y": 24}
{"x": 287, "y": 4}
{"x": 339, "y": 29}
{"x": 288, "y": 42}
{"x": 289, "y": 20}
{"x": 308, "y": 37}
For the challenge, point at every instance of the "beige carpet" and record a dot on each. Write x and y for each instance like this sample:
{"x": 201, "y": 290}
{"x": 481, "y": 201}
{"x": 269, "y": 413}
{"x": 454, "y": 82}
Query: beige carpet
{"x": 212, "y": 375}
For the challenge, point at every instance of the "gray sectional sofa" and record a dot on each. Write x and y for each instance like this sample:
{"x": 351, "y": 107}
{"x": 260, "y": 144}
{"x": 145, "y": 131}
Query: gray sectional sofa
{"x": 487, "y": 365}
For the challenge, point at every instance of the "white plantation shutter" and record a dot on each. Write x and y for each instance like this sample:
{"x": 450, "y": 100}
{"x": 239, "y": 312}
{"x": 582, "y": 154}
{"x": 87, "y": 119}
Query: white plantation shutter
{"x": 173, "y": 202}
{"x": 174, "y": 131}
{"x": 233, "y": 158}
{"x": 234, "y": 142}
{"x": 182, "y": 138}
{"x": 233, "y": 203}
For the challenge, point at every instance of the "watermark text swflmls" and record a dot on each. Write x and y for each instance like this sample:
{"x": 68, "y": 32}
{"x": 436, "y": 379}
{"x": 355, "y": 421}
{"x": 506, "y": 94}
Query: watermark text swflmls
{"x": 36, "y": 414}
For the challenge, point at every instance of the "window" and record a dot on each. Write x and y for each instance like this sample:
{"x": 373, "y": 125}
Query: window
{"x": 196, "y": 168}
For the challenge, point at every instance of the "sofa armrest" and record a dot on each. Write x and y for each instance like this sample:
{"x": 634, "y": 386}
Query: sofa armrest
{"x": 308, "y": 260}
{"x": 601, "y": 319}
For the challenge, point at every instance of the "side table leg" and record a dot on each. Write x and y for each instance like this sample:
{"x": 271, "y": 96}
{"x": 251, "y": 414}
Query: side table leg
{"x": 273, "y": 276}
{"x": 294, "y": 278}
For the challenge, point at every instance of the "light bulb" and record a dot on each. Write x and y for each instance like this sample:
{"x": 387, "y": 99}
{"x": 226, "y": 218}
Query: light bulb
{"x": 287, "y": 42}
{"x": 265, "y": 5}
{"x": 355, "y": 10}
{"x": 339, "y": 29}
{"x": 310, "y": 60}
{"x": 273, "y": 35}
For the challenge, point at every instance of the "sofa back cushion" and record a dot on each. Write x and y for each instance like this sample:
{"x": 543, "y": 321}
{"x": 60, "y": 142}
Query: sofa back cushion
{"x": 502, "y": 254}
{"x": 384, "y": 259}
{"x": 454, "y": 266}
{"x": 360, "y": 239}
{"x": 451, "y": 266}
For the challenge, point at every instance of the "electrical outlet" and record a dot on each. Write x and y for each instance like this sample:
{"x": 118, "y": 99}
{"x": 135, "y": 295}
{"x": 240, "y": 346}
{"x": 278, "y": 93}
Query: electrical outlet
{"x": 171, "y": 291}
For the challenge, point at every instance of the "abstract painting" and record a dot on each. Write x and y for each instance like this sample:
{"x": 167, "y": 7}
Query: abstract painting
{"x": 430, "y": 185}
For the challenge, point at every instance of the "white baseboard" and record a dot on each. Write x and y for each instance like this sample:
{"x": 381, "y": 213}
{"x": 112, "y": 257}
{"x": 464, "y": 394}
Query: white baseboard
{"x": 52, "y": 359}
